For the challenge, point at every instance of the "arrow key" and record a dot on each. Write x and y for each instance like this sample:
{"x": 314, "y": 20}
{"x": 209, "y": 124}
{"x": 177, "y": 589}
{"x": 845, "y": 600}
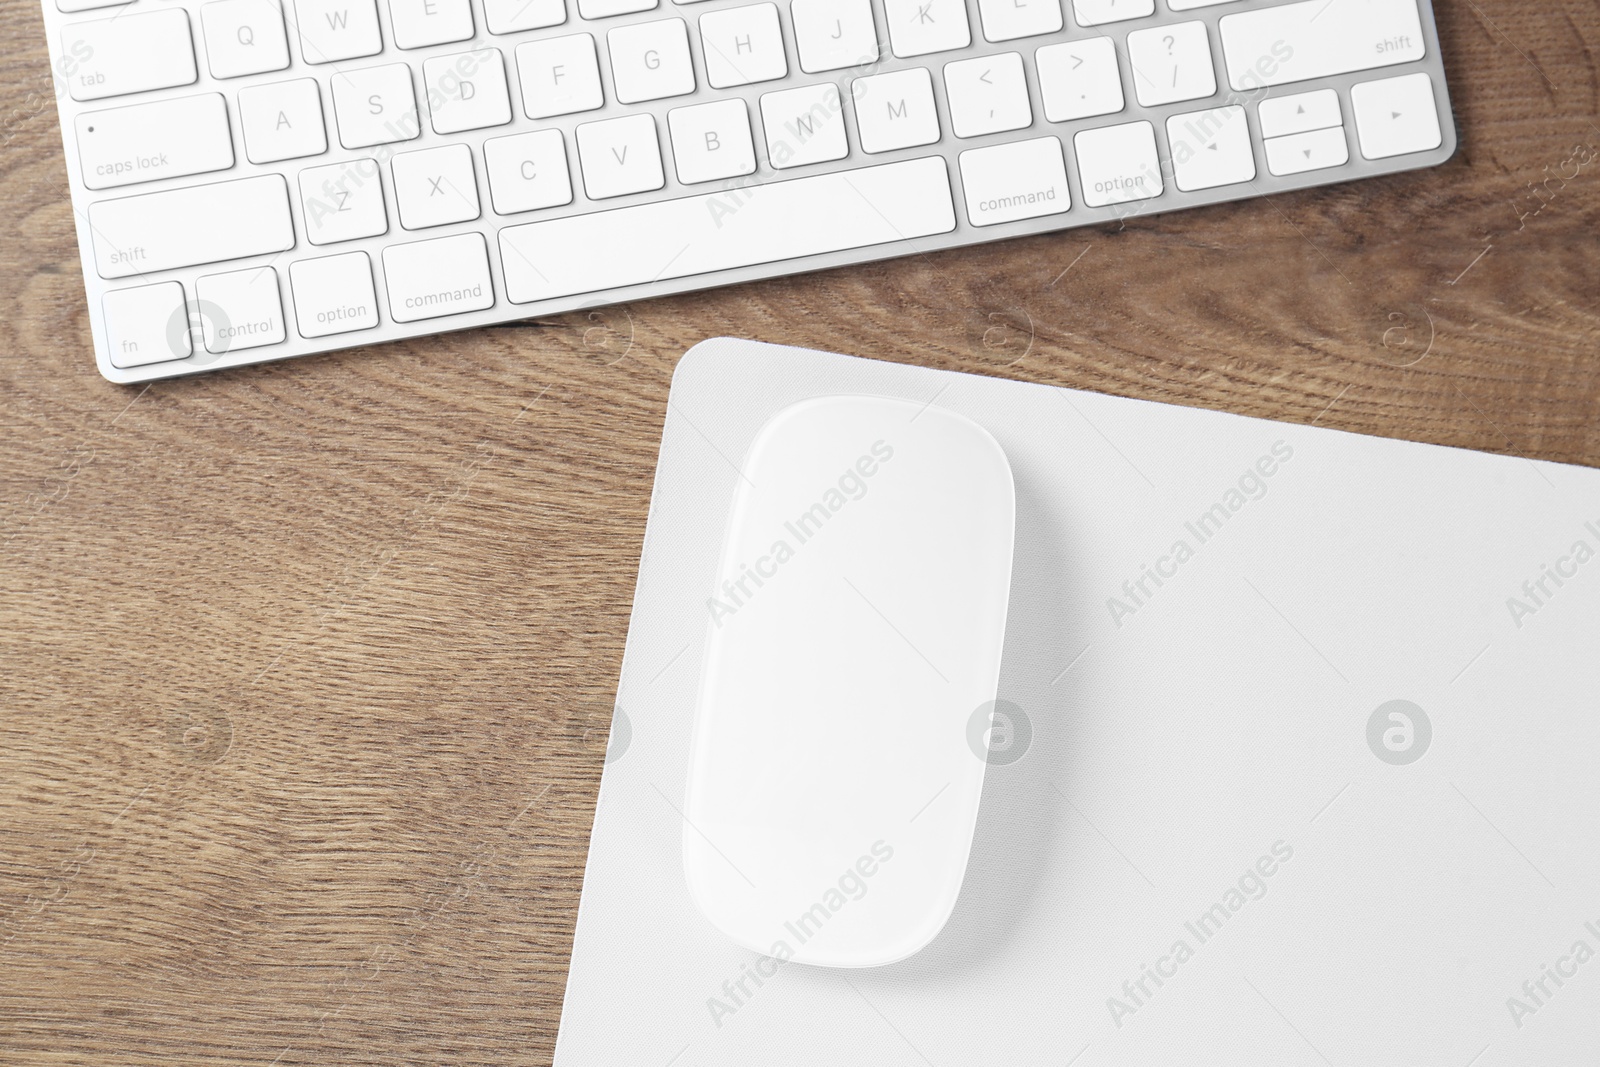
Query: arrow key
{"x": 1300, "y": 152}
{"x": 1283, "y": 115}
{"x": 1211, "y": 148}
{"x": 1396, "y": 116}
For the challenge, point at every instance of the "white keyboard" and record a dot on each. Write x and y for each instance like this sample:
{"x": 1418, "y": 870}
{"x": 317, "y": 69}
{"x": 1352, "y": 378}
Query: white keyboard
{"x": 257, "y": 179}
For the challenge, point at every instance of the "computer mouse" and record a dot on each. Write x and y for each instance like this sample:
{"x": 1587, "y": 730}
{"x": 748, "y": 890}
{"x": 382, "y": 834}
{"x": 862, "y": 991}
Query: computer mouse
{"x": 854, "y": 641}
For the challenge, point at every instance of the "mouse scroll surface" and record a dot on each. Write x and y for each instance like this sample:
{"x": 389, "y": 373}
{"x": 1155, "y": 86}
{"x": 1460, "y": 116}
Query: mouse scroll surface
{"x": 854, "y": 648}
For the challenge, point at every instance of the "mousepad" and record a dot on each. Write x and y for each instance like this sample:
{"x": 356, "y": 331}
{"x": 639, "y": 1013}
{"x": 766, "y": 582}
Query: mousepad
{"x": 1294, "y": 760}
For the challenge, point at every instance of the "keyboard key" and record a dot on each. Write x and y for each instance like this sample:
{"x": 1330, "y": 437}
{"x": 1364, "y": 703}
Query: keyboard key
{"x": 282, "y": 121}
{"x": 620, "y": 156}
{"x": 467, "y": 91}
{"x": 342, "y": 202}
{"x": 435, "y": 186}
{"x": 244, "y": 37}
{"x": 527, "y": 171}
{"x": 164, "y": 139}
{"x": 895, "y": 110}
{"x": 650, "y": 61}
{"x": 742, "y": 45}
{"x": 333, "y": 294}
{"x": 147, "y": 324}
{"x": 240, "y": 309}
{"x": 834, "y": 34}
{"x": 1283, "y": 115}
{"x": 129, "y": 54}
{"x": 514, "y": 16}
{"x": 601, "y": 9}
{"x": 331, "y": 30}
{"x": 69, "y": 6}
{"x": 804, "y": 125}
{"x": 921, "y": 27}
{"x": 187, "y": 227}
{"x": 560, "y": 76}
{"x": 1171, "y": 63}
{"x": 445, "y": 276}
{"x": 1079, "y": 79}
{"x": 1020, "y": 180}
{"x": 712, "y": 141}
{"x": 1007, "y": 20}
{"x": 375, "y": 106}
{"x": 1278, "y": 45}
{"x": 703, "y": 234}
{"x": 419, "y": 23}
{"x": 1396, "y": 116}
{"x": 1100, "y": 12}
{"x": 1118, "y": 164}
{"x": 1211, "y": 148}
{"x": 1301, "y": 152}
{"x": 987, "y": 95}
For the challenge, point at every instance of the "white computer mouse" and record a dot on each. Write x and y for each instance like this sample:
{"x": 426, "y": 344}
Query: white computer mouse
{"x": 855, "y": 634}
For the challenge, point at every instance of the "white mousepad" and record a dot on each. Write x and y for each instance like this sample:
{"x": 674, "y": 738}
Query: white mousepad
{"x": 1299, "y": 763}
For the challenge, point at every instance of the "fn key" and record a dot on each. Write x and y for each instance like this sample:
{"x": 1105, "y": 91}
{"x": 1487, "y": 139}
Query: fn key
{"x": 146, "y": 324}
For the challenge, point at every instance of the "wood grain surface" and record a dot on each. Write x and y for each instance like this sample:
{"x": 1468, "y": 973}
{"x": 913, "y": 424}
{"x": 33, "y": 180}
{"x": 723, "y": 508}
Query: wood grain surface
{"x": 307, "y": 667}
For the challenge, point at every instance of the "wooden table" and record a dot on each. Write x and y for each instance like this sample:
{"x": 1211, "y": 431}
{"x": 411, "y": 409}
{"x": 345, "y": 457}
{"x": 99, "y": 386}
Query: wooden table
{"x": 307, "y": 667}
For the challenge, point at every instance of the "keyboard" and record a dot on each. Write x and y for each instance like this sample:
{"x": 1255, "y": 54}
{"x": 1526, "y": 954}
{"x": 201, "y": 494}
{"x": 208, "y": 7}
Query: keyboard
{"x": 258, "y": 179}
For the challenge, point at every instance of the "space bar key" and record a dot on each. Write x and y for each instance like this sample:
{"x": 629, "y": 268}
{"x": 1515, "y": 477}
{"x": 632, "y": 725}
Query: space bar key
{"x": 729, "y": 228}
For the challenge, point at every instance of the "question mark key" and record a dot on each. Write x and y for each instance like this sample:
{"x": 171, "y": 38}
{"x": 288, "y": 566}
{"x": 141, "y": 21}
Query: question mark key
{"x": 1175, "y": 61}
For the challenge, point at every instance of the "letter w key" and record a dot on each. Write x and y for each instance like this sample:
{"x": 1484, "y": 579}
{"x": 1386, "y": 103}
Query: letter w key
{"x": 331, "y": 30}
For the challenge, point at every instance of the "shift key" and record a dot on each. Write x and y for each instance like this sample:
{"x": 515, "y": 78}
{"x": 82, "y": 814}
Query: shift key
{"x": 1318, "y": 39}
{"x": 184, "y": 227}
